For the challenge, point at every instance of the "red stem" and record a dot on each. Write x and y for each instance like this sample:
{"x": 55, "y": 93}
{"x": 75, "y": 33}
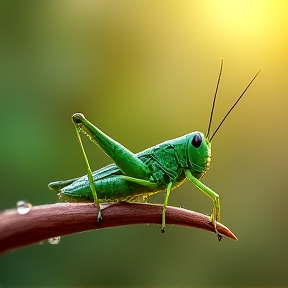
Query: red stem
{"x": 47, "y": 221}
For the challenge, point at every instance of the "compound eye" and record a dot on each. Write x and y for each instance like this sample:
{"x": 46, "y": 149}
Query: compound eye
{"x": 197, "y": 140}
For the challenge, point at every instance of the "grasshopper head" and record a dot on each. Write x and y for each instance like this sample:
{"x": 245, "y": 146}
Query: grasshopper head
{"x": 199, "y": 154}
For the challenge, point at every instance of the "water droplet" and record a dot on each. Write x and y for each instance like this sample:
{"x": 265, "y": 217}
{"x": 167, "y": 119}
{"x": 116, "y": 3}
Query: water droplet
{"x": 54, "y": 240}
{"x": 23, "y": 207}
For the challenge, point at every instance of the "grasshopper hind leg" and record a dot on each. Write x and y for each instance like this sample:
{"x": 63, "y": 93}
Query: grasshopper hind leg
{"x": 130, "y": 165}
{"x": 89, "y": 174}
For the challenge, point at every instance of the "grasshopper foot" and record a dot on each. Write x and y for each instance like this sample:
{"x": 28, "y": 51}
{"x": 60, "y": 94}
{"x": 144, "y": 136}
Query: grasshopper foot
{"x": 215, "y": 216}
{"x": 219, "y": 237}
{"x": 99, "y": 216}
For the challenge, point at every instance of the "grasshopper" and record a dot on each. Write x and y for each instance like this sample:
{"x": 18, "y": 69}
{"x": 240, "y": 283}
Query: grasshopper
{"x": 135, "y": 177}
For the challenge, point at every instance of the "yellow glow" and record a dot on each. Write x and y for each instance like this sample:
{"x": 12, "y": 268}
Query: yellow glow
{"x": 145, "y": 71}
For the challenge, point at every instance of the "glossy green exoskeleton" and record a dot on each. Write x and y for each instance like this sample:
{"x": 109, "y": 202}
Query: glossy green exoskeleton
{"x": 134, "y": 177}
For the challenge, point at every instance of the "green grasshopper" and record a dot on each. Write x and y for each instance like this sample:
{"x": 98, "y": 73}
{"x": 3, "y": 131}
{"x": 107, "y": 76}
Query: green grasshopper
{"x": 135, "y": 177}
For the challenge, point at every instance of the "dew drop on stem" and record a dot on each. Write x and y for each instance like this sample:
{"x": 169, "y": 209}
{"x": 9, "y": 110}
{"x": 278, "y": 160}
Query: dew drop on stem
{"x": 23, "y": 207}
{"x": 54, "y": 240}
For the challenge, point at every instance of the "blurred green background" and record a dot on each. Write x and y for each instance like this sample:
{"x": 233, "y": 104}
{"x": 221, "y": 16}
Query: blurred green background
{"x": 145, "y": 72}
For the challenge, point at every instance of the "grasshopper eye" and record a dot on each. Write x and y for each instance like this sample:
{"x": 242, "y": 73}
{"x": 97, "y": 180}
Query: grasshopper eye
{"x": 197, "y": 140}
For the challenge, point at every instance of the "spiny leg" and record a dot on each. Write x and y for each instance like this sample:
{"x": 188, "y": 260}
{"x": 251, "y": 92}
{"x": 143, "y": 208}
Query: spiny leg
{"x": 125, "y": 160}
{"x": 165, "y": 207}
{"x": 215, "y": 215}
{"x": 89, "y": 174}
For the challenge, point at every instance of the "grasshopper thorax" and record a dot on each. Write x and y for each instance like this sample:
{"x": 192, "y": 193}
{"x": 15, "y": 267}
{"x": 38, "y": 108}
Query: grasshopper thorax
{"x": 198, "y": 153}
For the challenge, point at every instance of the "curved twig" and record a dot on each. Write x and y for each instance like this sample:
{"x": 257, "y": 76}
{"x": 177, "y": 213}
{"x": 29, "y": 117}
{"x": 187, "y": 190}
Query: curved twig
{"x": 47, "y": 221}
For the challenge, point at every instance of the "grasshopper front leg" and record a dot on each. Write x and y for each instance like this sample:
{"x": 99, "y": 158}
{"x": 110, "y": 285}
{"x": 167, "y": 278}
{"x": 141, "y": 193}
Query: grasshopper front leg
{"x": 215, "y": 215}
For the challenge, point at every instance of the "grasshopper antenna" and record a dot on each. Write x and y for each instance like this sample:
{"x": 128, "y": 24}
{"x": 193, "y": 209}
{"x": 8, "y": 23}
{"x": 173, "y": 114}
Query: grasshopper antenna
{"x": 234, "y": 105}
{"x": 214, "y": 100}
